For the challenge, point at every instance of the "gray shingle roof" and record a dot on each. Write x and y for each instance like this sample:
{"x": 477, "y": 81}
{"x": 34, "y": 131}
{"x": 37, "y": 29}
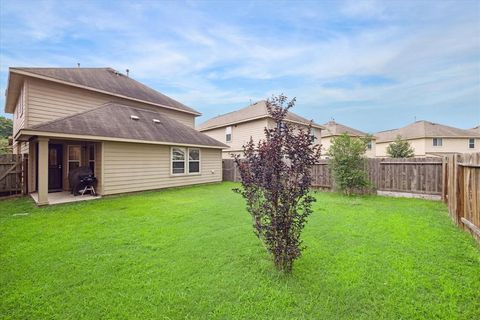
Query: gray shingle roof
{"x": 254, "y": 111}
{"x": 333, "y": 128}
{"x": 114, "y": 121}
{"x": 109, "y": 80}
{"x": 425, "y": 129}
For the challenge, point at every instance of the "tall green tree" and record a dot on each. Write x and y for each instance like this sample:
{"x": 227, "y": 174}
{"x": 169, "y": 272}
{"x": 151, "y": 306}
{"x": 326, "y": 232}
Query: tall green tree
{"x": 5, "y": 148}
{"x": 400, "y": 148}
{"x": 347, "y": 162}
{"x": 6, "y": 127}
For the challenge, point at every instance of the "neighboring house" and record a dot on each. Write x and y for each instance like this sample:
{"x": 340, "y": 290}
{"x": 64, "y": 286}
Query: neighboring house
{"x": 430, "y": 139}
{"x": 334, "y": 129}
{"x": 235, "y": 128}
{"x": 133, "y": 137}
{"x": 476, "y": 129}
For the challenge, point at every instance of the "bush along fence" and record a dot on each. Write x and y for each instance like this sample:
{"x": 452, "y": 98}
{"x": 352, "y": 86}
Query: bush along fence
{"x": 461, "y": 190}
{"x": 13, "y": 177}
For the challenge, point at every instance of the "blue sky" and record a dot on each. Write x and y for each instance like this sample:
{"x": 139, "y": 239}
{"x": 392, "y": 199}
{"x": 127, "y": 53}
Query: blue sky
{"x": 373, "y": 65}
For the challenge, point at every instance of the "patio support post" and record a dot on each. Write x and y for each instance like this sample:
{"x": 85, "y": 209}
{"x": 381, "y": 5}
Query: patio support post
{"x": 42, "y": 171}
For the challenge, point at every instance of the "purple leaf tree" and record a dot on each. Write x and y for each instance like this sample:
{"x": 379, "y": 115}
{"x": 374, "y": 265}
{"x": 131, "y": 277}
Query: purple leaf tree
{"x": 276, "y": 179}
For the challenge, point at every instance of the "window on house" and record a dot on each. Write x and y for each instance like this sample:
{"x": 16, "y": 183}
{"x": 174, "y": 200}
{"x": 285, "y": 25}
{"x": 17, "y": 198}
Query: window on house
{"x": 193, "y": 160}
{"x": 471, "y": 143}
{"x": 228, "y": 134}
{"x": 369, "y": 145}
{"x": 178, "y": 160}
{"x": 314, "y": 135}
{"x": 91, "y": 157}
{"x": 73, "y": 157}
{"x": 437, "y": 142}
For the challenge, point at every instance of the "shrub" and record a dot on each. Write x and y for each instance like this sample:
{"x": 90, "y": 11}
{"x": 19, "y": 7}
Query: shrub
{"x": 400, "y": 148}
{"x": 347, "y": 162}
{"x": 275, "y": 184}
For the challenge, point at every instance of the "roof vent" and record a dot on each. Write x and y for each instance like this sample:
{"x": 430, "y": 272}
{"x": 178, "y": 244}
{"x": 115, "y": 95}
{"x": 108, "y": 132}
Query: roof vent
{"x": 134, "y": 117}
{"x": 156, "y": 120}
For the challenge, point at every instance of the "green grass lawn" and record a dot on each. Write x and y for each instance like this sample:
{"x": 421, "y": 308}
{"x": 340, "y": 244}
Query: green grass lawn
{"x": 191, "y": 254}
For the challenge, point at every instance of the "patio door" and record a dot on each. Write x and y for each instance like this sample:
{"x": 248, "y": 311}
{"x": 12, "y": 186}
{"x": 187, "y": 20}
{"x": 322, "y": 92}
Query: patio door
{"x": 55, "y": 169}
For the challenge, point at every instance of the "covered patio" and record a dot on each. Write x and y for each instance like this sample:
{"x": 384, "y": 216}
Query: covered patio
{"x": 51, "y": 158}
{"x": 64, "y": 197}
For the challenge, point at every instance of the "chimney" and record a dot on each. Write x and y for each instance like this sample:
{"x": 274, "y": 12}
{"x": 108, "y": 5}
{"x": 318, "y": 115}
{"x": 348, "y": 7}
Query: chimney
{"x": 78, "y": 64}
{"x": 128, "y": 71}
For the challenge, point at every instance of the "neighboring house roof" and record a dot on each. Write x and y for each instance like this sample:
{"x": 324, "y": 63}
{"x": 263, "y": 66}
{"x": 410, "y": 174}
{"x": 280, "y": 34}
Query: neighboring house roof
{"x": 475, "y": 129}
{"x": 333, "y": 128}
{"x": 114, "y": 120}
{"x": 424, "y": 129}
{"x": 258, "y": 110}
{"x": 105, "y": 80}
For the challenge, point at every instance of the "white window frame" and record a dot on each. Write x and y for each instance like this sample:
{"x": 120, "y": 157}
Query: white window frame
{"x": 199, "y": 161}
{"x": 186, "y": 161}
{"x": 94, "y": 156}
{"x": 228, "y": 131}
{"x": 172, "y": 161}
{"x": 435, "y": 142}
{"x": 369, "y": 145}
{"x": 68, "y": 156}
{"x": 471, "y": 143}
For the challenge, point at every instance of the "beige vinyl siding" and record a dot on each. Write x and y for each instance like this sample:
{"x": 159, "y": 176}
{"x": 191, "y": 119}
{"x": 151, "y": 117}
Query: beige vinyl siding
{"x": 49, "y": 101}
{"x": 241, "y": 134}
{"x": 418, "y": 146}
{"x": 129, "y": 167}
{"x": 327, "y": 143}
{"x": 20, "y": 112}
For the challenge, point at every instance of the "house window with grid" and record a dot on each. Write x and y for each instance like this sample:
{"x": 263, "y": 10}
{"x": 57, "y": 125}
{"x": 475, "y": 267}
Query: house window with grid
{"x": 178, "y": 160}
{"x": 74, "y": 156}
{"x": 193, "y": 160}
{"x": 369, "y": 145}
{"x": 471, "y": 143}
{"x": 228, "y": 134}
{"x": 437, "y": 142}
{"x": 91, "y": 157}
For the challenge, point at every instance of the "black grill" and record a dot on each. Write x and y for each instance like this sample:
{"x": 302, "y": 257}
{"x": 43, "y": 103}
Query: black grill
{"x": 82, "y": 180}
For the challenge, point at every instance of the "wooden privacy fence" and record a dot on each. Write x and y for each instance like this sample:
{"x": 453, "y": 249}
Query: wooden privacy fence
{"x": 461, "y": 190}
{"x": 415, "y": 175}
{"x": 13, "y": 177}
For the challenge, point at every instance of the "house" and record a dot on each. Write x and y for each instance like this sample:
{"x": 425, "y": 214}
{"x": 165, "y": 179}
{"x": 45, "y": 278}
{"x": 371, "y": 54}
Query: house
{"x": 235, "y": 128}
{"x": 132, "y": 137}
{"x": 476, "y": 129}
{"x": 430, "y": 139}
{"x": 334, "y": 129}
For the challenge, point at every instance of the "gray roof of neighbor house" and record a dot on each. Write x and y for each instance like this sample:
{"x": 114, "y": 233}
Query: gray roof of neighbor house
{"x": 424, "y": 129}
{"x": 113, "y": 120}
{"x": 333, "y": 128}
{"x": 476, "y": 129}
{"x": 254, "y": 111}
{"x": 107, "y": 80}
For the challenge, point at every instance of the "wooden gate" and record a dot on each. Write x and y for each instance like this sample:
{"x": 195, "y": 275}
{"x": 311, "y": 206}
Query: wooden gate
{"x": 13, "y": 179}
{"x": 462, "y": 190}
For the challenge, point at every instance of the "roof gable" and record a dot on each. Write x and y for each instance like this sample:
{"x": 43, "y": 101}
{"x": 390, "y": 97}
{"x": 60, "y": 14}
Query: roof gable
{"x": 115, "y": 121}
{"x": 254, "y": 111}
{"x": 333, "y": 128}
{"x": 424, "y": 129}
{"x": 106, "y": 80}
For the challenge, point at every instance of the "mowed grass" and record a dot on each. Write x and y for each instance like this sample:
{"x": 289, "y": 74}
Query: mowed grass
{"x": 190, "y": 253}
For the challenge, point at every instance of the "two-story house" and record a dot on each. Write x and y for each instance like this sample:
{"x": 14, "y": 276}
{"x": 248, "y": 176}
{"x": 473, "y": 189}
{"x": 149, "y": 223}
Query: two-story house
{"x": 430, "y": 139}
{"x": 236, "y": 128}
{"x": 133, "y": 137}
{"x": 334, "y": 129}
